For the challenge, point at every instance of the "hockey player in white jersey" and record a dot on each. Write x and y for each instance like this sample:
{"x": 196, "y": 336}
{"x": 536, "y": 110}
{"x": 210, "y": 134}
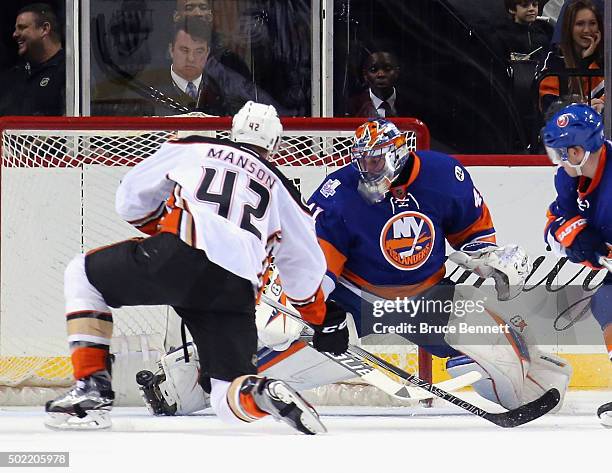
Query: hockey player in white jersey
{"x": 216, "y": 212}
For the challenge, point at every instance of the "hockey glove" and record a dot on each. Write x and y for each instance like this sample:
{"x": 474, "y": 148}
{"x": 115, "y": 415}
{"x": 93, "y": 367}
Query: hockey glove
{"x": 332, "y": 336}
{"x": 586, "y": 248}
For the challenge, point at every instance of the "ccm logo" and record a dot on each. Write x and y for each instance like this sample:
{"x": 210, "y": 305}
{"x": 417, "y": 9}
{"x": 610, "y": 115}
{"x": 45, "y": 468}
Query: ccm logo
{"x": 572, "y": 228}
{"x": 334, "y": 328}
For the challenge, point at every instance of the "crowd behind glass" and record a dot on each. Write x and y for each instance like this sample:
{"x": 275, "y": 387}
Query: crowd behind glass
{"x": 435, "y": 60}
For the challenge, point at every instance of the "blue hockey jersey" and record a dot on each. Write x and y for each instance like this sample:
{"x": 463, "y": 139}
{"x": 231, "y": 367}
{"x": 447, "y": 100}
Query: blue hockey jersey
{"x": 396, "y": 247}
{"x": 581, "y": 201}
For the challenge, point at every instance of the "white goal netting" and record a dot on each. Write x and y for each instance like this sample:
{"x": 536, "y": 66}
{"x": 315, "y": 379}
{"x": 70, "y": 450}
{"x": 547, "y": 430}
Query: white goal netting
{"x": 59, "y": 177}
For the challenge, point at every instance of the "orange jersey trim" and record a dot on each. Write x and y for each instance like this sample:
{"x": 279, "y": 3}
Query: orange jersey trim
{"x": 550, "y": 85}
{"x": 598, "y": 175}
{"x": 171, "y": 222}
{"x": 334, "y": 258}
{"x": 607, "y": 334}
{"x": 483, "y": 223}
{"x": 550, "y": 218}
{"x": 313, "y": 312}
{"x": 400, "y": 191}
{"x": 391, "y": 292}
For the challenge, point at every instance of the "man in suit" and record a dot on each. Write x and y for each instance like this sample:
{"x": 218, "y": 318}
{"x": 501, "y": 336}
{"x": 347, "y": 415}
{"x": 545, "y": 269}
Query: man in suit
{"x": 381, "y": 72}
{"x": 183, "y": 87}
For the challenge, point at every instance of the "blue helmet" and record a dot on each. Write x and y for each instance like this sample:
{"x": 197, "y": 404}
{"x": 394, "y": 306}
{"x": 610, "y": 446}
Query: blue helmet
{"x": 574, "y": 125}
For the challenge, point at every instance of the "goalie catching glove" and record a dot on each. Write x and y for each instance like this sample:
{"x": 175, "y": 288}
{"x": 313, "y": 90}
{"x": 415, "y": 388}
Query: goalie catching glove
{"x": 508, "y": 265}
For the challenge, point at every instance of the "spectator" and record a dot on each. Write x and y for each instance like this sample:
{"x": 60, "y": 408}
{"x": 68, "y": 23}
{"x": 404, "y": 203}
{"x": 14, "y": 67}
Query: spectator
{"x": 381, "y": 72}
{"x": 196, "y": 80}
{"x": 182, "y": 84}
{"x": 523, "y": 36}
{"x": 556, "y": 10}
{"x": 37, "y": 84}
{"x": 203, "y": 9}
{"x": 581, "y": 48}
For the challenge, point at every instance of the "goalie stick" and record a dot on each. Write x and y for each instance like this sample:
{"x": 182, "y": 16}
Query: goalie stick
{"x": 375, "y": 377}
{"x": 512, "y": 418}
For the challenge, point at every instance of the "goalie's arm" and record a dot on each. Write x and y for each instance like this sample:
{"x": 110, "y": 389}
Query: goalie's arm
{"x": 468, "y": 225}
{"x": 470, "y": 230}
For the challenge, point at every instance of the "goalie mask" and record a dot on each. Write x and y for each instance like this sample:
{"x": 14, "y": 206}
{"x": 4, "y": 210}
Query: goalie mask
{"x": 379, "y": 152}
{"x": 574, "y": 125}
{"x": 257, "y": 124}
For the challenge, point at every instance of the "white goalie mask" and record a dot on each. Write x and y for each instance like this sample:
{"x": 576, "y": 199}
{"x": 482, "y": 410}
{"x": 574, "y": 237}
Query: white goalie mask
{"x": 257, "y": 124}
{"x": 379, "y": 152}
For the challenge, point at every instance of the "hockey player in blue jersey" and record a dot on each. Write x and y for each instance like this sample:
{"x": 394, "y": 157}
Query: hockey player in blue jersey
{"x": 383, "y": 223}
{"x": 580, "y": 219}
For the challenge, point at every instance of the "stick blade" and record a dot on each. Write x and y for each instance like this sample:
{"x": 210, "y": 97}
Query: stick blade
{"x": 528, "y": 412}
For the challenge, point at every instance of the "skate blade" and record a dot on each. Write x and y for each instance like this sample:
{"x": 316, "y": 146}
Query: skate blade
{"x": 605, "y": 415}
{"x": 309, "y": 419}
{"x": 94, "y": 420}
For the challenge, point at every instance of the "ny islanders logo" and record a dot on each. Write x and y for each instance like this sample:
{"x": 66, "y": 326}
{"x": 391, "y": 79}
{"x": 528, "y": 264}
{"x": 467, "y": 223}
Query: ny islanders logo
{"x": 563, "y": 120}
{"x": 407, "y": 240}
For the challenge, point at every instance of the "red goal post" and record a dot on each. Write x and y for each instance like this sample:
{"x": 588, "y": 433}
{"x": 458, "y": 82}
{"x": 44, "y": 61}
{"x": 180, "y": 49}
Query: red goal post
{"x": 58, "y": 178}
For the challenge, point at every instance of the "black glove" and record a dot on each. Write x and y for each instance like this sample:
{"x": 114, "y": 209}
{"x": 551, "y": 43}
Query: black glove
{"x": 332, "y": 336}
{"x": 587, "y": 246}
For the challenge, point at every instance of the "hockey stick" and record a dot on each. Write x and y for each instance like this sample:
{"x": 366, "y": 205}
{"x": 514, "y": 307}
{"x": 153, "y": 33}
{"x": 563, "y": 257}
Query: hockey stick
{"x": 401, "y": 391}
{"x": 512, "y": 418}
{"x": 375, "y": 377}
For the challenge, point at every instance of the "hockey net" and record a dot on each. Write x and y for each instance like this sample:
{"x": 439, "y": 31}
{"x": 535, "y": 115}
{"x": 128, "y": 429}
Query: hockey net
{"x": 58, "y": 180}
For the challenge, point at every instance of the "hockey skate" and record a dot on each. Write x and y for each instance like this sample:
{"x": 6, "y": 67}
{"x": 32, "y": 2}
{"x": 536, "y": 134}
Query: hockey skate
{"x": 605, "y": 415}
{"x": 283, "y": 403}
{"x": 86, "y": 406}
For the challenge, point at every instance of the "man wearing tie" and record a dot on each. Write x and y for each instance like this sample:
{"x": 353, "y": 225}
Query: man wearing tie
{"x": 380, "y": 72}
{"x": 185, "y": 86}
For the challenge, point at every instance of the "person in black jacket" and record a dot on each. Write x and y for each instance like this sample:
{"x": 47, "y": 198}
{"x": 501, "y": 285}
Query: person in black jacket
{"x": 36, "y": 85}
{"x": 524, "y": 36}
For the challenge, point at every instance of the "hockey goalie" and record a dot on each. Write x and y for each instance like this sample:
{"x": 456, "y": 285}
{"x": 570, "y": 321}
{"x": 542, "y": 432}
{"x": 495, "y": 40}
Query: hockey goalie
{"x": 383, "y": 223}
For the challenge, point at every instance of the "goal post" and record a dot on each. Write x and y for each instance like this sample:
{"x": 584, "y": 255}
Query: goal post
{"x": 58, "y": 181}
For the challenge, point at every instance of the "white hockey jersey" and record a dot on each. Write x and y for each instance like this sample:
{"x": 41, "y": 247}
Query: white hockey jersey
{"x": 224, "y": 199}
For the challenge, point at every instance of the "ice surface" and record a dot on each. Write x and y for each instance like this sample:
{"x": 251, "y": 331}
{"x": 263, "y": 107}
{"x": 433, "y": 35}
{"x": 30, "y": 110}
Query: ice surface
{"x": 376, "y": 440}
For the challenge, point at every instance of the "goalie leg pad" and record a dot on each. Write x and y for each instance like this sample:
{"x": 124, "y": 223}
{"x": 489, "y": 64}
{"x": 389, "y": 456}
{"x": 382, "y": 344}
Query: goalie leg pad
{"x": 176, "y": 388}
{"x": 500, "y": 352}
{"x": 460, "y": 365}
{"x": 546, "y": 371}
